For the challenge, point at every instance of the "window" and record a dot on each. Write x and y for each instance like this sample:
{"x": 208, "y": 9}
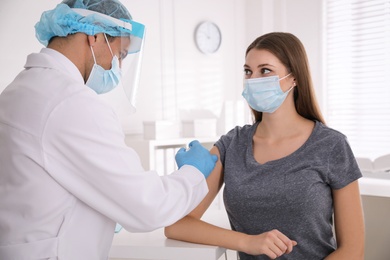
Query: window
{"x": 357, "y": 73}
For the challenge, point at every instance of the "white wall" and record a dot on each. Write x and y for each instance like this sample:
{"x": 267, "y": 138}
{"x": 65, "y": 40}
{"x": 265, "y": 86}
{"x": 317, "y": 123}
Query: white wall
{"x": 175, "y": 75}
{"x": 17, "y": 20}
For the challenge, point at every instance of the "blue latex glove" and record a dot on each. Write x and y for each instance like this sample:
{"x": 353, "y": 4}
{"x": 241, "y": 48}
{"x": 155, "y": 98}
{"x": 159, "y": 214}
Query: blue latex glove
{"x": 197, "y": 156}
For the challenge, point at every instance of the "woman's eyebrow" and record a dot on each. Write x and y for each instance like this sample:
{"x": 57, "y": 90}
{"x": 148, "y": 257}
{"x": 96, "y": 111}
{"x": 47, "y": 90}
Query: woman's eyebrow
{"x": 265, "y": 65}
{"x": 260, "y": 65}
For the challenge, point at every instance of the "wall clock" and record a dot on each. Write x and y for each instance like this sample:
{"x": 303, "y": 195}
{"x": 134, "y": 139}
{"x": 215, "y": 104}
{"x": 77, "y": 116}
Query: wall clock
{"x": 208, "y": 37}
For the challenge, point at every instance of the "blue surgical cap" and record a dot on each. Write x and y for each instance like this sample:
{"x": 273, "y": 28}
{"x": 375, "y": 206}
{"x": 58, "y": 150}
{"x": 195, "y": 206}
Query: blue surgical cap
{"x": 63, "y": 20}
{"x": 111, "y": 8}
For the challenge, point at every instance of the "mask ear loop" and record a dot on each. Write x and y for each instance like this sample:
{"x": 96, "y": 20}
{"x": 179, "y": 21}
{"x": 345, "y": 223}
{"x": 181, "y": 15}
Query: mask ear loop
{"x": 291, "y": 86}
{"x": 109, "y": 47}
{"x": 93, "y": 54}
{"x": 285, "y": 76}
{"x": 290, "y": 89}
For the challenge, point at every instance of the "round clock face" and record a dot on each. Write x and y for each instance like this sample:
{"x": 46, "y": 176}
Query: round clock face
{"x": 208, "y": 37}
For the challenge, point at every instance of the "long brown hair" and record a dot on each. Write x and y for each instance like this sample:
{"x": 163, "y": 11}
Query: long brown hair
{"x": 291, "y": 52}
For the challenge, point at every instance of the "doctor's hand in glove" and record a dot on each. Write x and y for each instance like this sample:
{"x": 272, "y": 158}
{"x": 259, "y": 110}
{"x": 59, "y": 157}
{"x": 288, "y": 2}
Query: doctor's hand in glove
{"x": 197, "y": 156}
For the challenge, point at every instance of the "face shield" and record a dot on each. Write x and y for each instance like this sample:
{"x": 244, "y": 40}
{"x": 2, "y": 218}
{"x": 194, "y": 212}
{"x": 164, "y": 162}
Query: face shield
{"x": 131, "y": 35}
{"x": 63, "y": 21}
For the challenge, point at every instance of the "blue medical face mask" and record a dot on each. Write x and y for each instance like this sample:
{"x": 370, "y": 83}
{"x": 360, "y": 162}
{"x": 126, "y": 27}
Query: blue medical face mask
{"x": 264, "y": 94}
{"x": 101, "y": 80}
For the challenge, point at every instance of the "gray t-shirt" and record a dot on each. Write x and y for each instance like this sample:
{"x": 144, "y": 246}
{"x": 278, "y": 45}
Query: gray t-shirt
{"x": 292, "y": 194}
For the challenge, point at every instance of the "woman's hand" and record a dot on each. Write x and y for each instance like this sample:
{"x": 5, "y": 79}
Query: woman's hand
{"x": 272, "y": 243}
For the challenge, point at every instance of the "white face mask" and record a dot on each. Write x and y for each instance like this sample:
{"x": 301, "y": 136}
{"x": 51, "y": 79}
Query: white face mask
{"x": 264, "y": 94}
{"x": 101, "y": 80}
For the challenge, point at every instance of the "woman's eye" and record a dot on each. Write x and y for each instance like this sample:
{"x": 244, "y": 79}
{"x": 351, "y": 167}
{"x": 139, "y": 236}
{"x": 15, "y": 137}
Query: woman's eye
{"x": 265, "y": 71}
{"x": 247, "y": 72}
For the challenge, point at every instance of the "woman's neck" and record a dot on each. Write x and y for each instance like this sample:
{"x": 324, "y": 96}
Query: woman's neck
{"x": 282, "y": 124}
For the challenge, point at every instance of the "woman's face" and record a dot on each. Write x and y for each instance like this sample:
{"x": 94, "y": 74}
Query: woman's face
{"x": 262, "y": 63}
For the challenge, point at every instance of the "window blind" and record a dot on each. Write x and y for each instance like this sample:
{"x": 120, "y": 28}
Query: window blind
{"x": 357, "y": 73}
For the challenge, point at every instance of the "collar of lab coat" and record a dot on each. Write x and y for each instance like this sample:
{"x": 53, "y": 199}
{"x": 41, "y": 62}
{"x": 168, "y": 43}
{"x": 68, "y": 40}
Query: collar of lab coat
{"x": 56, "y": 60}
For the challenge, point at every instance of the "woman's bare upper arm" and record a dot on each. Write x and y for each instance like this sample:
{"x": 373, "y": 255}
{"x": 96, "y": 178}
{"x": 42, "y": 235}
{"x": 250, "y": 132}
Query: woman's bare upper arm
{"x": 214, "y": 183}
{"x": 349, "y": 223}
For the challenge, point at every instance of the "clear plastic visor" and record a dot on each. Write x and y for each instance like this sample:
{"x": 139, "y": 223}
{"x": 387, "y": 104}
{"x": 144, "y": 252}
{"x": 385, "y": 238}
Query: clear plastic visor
{"x": 131, "y": 70}
{"x": 131, "y": 37}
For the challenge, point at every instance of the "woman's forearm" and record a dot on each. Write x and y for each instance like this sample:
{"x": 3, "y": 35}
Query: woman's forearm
{"x": 272, "y": 243}
{"x": 193, "y": 230}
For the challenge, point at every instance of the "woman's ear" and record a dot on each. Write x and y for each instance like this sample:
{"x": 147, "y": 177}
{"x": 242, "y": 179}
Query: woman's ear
{"x": 294, "y": 82}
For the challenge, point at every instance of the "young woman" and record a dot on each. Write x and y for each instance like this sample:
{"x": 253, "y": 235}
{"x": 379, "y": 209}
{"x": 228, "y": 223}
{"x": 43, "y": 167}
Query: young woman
{"x": 287, "y": 176}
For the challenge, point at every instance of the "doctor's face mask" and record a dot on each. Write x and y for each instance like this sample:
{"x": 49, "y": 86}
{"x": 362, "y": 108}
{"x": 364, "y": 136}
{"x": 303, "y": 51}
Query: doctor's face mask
{"x": 101, "y": 80}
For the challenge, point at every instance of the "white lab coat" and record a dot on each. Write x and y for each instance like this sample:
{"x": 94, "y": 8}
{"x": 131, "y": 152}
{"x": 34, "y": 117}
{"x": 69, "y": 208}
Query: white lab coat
{"x": 66, "y": 175}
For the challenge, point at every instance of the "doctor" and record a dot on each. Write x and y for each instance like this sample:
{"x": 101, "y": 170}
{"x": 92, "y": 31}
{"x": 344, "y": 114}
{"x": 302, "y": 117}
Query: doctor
{"x": 66, "y": 174}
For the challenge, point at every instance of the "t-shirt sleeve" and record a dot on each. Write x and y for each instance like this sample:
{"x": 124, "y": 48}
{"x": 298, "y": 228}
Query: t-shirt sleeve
{"x": 342, "y": 166}
{"x": 223, "y": 143}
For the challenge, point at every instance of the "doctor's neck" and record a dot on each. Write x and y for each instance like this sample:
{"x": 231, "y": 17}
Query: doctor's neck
{"x": 75, "y": 47}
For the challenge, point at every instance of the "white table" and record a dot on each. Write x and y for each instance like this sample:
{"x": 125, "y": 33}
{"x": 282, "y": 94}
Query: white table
{"x": 154, "y": 245}
{"x": 375, "y": 184}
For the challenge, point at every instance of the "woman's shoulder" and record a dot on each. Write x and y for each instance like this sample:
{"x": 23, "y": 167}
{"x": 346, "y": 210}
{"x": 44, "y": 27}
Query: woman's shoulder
{"x": 237, "y": 135}
{"x": 327, "y": 133}
{"x": 244, "y": 130}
